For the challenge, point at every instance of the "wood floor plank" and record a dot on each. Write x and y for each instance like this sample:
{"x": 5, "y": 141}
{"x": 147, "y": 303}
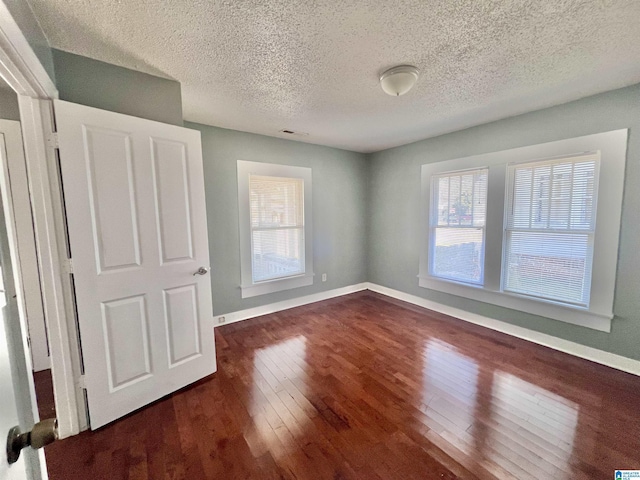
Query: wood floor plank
{"x": 367, "y": 387}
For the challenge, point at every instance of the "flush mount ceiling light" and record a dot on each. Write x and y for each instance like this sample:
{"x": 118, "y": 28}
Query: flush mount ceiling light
{"x": 399, "y": 80}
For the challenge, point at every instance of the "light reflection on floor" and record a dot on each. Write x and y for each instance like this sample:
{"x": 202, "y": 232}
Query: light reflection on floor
{"x": 521, "y": 429}
{"x": 276, "y": 369}
{"x": 449, "y": 394}
{"x": 533, "y": 423}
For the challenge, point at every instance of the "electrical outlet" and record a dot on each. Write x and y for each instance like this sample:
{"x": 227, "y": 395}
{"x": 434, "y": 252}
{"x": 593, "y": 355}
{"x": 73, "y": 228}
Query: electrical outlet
{"x": 221, "y": 319}
{"x": 324, "y": 277}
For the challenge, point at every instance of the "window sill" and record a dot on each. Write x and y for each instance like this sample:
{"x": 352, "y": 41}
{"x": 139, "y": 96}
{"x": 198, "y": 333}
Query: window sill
{"x": 556, "y": 311}
{"x": 277, "y": 285}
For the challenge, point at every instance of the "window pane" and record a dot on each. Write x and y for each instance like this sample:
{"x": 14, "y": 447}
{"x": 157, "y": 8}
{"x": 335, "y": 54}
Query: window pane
{"x": 560, "y": 195}
{"x": 462, "y": 202}
{"x": 458, "y": 254}
{"x": 552, "y": 195}
{"x": 443, "y": 201}
{"x": 582, "y": 198}
{"x": 277, "y": 253}
{"x": 480, "y": 198}
{"x": 455, "y": 206}
{"x": 522, "y": 197}
{"x": 461, "y": 198}
{"x": 540, "y": 199}
{"x": 549, "y": 265}
{"x": 276, "y": 201}
{"x": 466, "y": 200}
{"x": 554, "y": 265}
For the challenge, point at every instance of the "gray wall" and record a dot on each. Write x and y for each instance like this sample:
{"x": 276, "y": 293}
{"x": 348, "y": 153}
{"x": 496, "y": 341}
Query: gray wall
{"x": 339, "y": 211}
{"x": 395, "y": 210}
{"x": 109, "y": 87}
{"x": 26, "y": 20}
{"x": 9, "y": 109}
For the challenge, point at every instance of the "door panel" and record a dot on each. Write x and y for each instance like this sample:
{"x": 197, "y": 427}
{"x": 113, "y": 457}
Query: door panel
{"x": 183, "y": 330}
{"x": 135, "y": 205}
{"x": 112, "y": 198}
{"x": 127, "y": 338}
{"x": 173, "y": 212}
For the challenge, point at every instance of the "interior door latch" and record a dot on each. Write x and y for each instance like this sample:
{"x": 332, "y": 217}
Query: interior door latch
{"x": 43, "y": 433}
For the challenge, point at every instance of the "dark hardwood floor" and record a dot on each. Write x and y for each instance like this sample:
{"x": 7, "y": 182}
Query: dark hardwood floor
{"x": 367, "y": 387}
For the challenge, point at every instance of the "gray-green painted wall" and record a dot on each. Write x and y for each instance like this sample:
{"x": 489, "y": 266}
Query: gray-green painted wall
{"x": 9, "y": 109}
{"x": 109, "y": 87}
{"x": 395, "y": 210}
{"x": 339, "y": 211}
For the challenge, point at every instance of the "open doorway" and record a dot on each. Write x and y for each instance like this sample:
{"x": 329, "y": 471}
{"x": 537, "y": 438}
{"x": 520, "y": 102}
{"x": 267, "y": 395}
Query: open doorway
{"x": 17, "y": 403}
{"x": 38, "y": 351}
{"x": 38, "y": 335}
{"x": 37, "y": 244}
{"x": 36, "y": 326}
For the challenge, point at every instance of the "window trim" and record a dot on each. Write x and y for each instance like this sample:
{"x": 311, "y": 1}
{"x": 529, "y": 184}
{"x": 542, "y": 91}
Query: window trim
{"x": 612, "y": 147}
{"x": 248, "y": 287}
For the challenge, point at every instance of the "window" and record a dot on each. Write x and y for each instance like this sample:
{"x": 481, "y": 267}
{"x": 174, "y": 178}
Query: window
{"x": 458, "y": 221}
{"x": 550, "y": 229}
{"x": 275, "y": 227}
{"x": 534, "y": 229}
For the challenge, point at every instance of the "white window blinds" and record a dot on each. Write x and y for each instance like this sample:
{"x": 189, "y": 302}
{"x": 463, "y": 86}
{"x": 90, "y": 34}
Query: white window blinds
{"x": 277, "y": 227}
{"x": 457, "y": 220}
{"x": 550, "y": 229}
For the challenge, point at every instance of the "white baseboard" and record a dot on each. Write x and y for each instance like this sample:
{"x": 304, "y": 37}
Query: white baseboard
{"x": 589, "y": 353}
{"x": 287, "y": 304}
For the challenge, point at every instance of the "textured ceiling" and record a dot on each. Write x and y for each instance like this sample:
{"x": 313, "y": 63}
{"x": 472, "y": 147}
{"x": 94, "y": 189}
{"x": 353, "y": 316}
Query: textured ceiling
{"x": 313, "y": 66}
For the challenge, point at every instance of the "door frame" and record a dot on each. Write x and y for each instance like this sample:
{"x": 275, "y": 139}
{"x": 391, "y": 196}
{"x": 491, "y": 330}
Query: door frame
{"x": 24, "y": 73}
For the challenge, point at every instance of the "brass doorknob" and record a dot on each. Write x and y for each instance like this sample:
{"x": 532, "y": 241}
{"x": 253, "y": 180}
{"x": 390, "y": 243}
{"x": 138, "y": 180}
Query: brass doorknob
{"x": 43, "y": 433}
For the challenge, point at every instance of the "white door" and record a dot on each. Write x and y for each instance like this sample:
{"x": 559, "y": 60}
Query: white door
{"x": 10, "y": 398}
{"x": 17, "y": 394}
{"x": 9, "y": 402}
{"x": 134, "y": 198}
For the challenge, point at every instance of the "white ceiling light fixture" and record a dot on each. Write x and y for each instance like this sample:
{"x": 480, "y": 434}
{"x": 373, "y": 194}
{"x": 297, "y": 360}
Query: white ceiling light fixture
{"x": 399, "y": 80}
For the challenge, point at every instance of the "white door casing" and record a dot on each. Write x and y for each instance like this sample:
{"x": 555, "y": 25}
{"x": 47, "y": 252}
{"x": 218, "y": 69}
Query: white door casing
{"x": 134, "y": 197}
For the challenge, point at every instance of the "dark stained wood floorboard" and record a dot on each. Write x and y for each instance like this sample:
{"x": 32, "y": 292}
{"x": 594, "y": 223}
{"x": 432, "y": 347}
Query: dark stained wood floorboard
{"x": 366, "y": 387}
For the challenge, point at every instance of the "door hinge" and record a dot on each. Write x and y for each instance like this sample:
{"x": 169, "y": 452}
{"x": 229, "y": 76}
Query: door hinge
{"x": 81, "y": 382}
{"x": 68, "y": 265}
{"x": 52, "y": 140}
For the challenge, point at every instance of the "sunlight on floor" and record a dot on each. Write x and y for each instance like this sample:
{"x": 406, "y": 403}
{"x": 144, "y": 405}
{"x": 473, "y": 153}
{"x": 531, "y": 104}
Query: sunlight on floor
{"x": 534, "y": 424}
{"x": 280, "y": 421}
{"x": 449, "y": 394}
